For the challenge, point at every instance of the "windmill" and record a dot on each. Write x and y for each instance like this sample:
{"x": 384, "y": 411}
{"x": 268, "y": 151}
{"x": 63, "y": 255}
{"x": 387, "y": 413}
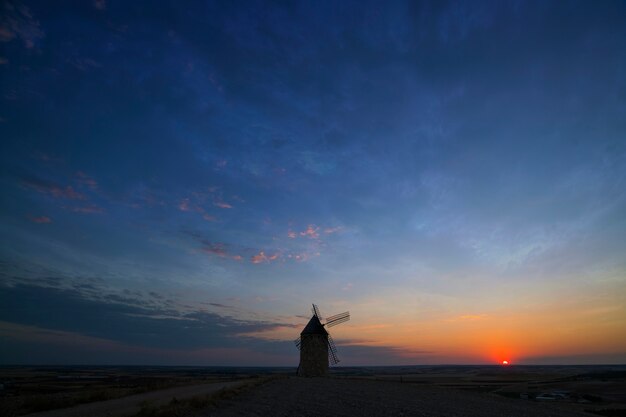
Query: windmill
{"x": 316, "y": 346}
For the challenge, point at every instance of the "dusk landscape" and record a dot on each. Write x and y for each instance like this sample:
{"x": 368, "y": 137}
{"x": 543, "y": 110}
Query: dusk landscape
{"x": 194, "y": 194}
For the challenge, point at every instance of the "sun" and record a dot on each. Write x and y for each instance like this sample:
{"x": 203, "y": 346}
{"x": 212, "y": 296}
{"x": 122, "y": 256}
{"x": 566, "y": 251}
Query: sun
{"x": 505, "y": 362}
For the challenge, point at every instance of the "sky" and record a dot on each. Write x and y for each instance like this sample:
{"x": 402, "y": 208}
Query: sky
{"x": 181, "y": 181}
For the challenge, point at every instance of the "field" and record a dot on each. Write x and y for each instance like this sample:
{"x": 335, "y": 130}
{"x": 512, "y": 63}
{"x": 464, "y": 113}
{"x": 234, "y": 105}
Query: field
{"x": 221, "y": 391}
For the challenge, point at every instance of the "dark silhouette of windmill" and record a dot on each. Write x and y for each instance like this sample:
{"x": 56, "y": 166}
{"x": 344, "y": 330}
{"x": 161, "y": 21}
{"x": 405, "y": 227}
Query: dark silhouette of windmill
{"x": 316, "y": 346}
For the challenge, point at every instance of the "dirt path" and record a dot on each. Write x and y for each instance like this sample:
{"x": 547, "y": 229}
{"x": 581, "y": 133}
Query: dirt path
{"x": 349, "y": 397}
{"x": 132, "y": 404}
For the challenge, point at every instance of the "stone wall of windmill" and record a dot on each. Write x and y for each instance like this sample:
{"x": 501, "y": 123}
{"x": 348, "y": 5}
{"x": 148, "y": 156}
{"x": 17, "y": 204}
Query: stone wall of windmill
{"x": 313, "y": 355}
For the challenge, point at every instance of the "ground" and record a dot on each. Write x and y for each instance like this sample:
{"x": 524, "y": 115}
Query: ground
{"x": 295, "y": 396}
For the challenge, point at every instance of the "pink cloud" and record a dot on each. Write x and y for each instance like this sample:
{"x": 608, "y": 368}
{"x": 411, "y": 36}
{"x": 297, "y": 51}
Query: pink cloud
{"x": 54, "y": 190}
{"x": 292, "y": 235}
{"x": 311, "y": 232}
{"x": 40, "y": 219}
{"x": 222, "y": 204}
{"x": 184, "y": 204}
{"x": 92, "y": 209}
{"x": 262, "y": 257}
{"x": 86, "y": 180}
{"x": 209, "y": 218}
{"x": 331, "y": 230}
{"x": 304, "y": 256}
{"x": 215, "y": 249}
{"x": 18, "y": 22}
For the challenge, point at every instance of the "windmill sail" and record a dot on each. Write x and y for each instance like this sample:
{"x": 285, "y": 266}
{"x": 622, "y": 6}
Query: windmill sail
{"x": 332, "y": 351}
{"x": 316, "y": 312}
{"x": 337, "y": 319}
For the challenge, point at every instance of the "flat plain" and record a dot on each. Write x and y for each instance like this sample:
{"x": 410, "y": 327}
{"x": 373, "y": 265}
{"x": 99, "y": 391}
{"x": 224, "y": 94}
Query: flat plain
{"x": 361, "y": 391}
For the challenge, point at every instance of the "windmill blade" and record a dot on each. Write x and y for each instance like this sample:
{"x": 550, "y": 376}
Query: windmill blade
{"x": 298, "y": 343}
{"x": 316, "y": 312}
{"x": 332, "y": 351}
{"x": 337, "y": 319}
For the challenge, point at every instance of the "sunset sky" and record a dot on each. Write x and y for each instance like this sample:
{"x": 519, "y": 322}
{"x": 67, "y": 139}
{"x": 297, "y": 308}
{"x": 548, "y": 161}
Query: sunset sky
{"x": 181, "y": 180}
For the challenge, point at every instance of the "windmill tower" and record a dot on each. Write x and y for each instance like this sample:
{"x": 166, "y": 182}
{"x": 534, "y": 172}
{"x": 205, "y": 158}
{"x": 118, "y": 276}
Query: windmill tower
{"x": 316, "y": 346}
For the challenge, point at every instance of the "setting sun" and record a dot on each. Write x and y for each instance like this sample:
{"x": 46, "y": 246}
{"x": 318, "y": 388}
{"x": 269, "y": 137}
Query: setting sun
{"x": 505, "y": 362}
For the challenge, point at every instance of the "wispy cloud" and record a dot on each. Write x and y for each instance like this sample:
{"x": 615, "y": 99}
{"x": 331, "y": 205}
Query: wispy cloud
{"x": 90, "y": 209}
{"x": 53, "y": 190}
{"x": 84, "y": 64}
{"x": 40, "y": 219}
{"x": 469, "y": 317}
{"x": 261, "y": 257}
{"x": 100, "y": 4}
{"x": 222, "y": 204}
{"x": 303, "y": 256}
{"x": 311, "y": 232}
{"x": 215, "y": 249}
{"x": 16, "y": 21}
{"x": 184, "y": 204}
{"x": 85, "y": 180}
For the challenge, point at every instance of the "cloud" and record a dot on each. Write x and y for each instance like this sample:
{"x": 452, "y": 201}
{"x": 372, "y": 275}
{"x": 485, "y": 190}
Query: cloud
{"x": 303, "y": 256}
{"x": 215, "y": 249}
{"x": 218, "y": 249}
{"x": 85, "y": 180}
{"x": 100, "y": 4}
{"x": 261, "y": 257}
{"x": 222, "y": 204}
{"x": 311, "y": 232}
{"x": 258, "y": 258}
{"x": 184, "y": 204}
{"x": 16, "y": 21}
{"x": 84, "y": 64}
{"x": 53, "y": 190}
{"x": 220, "y": 305}
{"x": 125, "y": 318}
{"x": 469, "y": 317}
{"x": 91, "y": 209}
{"x": 40, "y": 219}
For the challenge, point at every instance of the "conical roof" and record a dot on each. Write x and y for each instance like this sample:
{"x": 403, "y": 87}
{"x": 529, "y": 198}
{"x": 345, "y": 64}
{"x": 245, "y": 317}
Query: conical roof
{"x": 314, "y": 327}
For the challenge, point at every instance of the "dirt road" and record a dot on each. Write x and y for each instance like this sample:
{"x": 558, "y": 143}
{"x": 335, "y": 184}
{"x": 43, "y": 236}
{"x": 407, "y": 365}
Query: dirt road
{"x": 132, "y": 404}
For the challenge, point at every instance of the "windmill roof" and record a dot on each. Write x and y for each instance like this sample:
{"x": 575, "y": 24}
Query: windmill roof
{"x": 314, "y": 327}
